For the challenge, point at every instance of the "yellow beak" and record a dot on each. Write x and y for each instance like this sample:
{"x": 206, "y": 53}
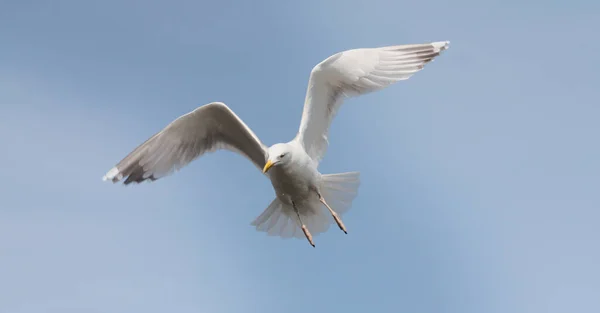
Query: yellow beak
{"x": 267, "y": 166}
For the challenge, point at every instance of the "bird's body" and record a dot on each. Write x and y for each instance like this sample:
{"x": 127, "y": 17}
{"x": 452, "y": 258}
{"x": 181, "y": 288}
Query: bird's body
{"x": 294, "y": 180}
{"x": 301, "y": 191}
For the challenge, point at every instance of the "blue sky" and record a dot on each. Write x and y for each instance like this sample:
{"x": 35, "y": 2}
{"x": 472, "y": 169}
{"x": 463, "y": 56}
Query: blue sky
{"x": 479, "y": 174}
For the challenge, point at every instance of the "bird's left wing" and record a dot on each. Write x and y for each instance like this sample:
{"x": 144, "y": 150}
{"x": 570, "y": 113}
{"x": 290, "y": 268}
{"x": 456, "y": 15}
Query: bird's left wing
{"x": 352, "y": 73}
{"x": 208, "y": 128}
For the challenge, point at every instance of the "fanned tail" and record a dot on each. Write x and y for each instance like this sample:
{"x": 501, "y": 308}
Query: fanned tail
{"x": 339, "y": 190}
{"x": 279, "y": 219}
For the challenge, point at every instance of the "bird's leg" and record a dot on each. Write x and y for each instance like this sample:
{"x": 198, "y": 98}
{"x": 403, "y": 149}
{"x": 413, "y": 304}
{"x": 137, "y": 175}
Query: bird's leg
{"x": 336, "y": 217}
{"x": 304, "y": 228}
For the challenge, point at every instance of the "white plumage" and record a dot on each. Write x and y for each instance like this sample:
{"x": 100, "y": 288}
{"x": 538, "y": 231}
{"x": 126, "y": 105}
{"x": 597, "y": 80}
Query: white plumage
{"x": 305, "y": 198}
{"x": 352, "y": 73}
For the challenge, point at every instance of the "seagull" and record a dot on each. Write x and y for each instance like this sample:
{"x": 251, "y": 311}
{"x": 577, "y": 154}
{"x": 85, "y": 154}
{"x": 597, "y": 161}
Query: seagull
{"x": 304, "y": 198}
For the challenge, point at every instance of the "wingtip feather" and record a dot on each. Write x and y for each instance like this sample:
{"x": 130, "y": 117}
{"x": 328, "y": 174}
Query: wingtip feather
{"x": 441, "y": 45}
{"x": 113, "y": 175}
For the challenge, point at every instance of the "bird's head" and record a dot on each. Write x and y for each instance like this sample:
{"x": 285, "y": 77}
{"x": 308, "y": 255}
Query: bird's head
{"x": 277, "y": 155}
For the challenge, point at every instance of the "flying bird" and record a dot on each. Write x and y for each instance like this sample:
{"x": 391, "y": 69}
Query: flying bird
{"x": 305, "y": 199}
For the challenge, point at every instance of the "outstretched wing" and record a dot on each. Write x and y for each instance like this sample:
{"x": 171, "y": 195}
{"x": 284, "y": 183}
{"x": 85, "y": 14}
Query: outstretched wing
{"x": 208, "y": 128}
{"x": 352, "y": 73}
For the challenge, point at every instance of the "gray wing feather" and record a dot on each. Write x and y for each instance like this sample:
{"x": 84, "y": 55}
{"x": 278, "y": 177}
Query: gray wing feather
{"x": 206, "y": 129}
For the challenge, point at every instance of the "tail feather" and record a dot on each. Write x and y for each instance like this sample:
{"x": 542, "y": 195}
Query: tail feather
{"x": 279, "y": 219}
{"x": 275, "y": 221}
{"x": 339, "y": 190}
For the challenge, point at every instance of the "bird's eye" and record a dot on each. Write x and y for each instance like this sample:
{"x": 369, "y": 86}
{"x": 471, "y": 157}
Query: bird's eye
{"x": 282, "y": 155}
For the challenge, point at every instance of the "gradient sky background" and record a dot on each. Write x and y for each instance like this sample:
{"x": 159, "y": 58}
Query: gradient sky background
{"x": 479, "y": 175}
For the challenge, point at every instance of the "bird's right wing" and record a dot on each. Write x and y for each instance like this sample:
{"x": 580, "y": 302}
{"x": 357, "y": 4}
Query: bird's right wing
{"x": 353, "y": 73}
{"x": 208, "y": 128}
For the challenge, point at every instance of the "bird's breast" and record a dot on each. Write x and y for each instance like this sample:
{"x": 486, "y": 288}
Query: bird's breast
{"x": 293, "y": 183}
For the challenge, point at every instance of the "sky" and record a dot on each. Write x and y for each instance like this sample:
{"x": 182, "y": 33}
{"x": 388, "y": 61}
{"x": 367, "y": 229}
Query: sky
{"x": 479, "y": 175}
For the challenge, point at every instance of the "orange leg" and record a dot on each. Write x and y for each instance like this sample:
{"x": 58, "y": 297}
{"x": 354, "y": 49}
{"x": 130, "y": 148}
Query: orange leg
{"x": 304, "y": 228}
{"x": 337, "y": 219}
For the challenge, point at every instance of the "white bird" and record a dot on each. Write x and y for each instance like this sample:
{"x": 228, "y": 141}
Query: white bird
{"x": 305, "y": 198}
